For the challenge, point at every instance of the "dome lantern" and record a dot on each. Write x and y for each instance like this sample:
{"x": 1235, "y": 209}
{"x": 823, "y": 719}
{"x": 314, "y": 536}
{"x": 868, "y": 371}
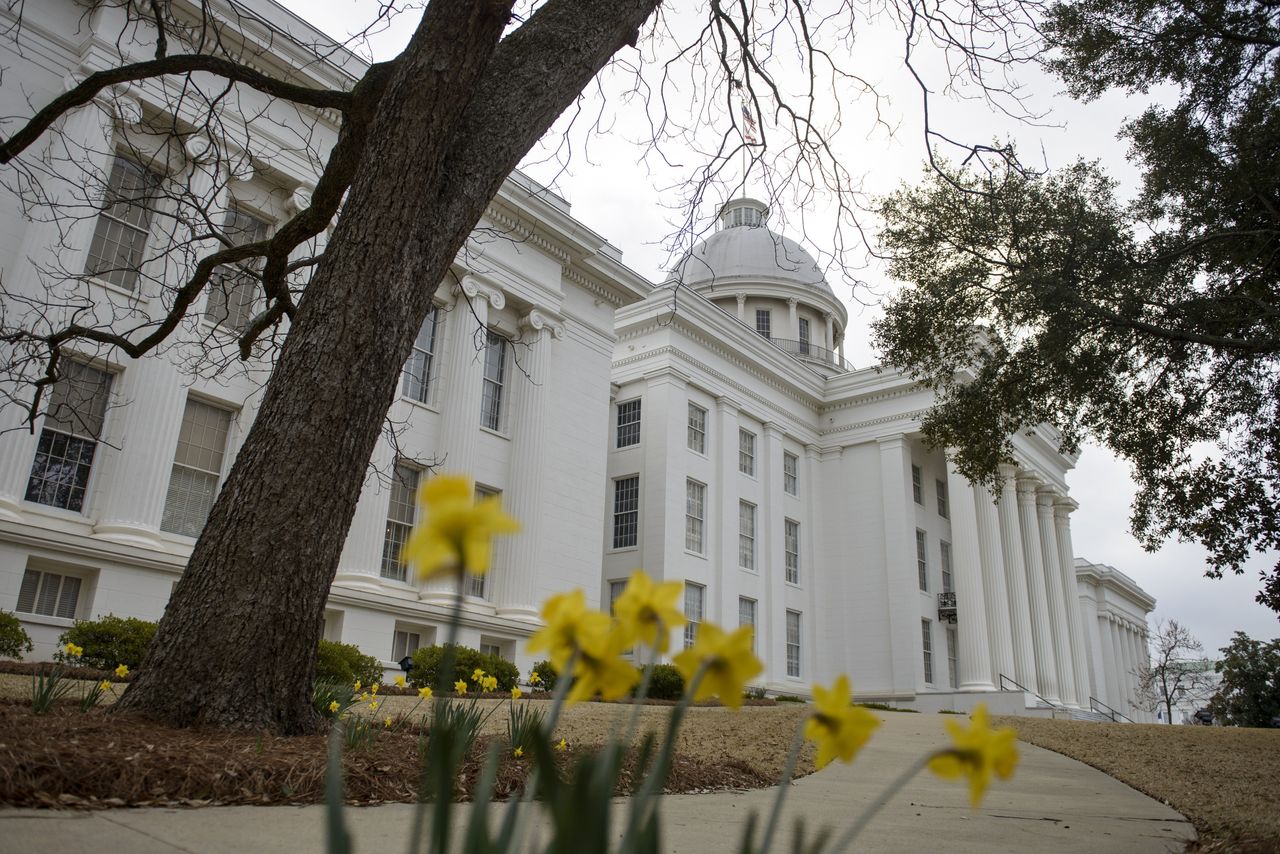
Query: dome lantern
{"x": 743, "y": 212}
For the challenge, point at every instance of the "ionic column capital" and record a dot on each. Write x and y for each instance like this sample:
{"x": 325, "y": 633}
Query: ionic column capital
{"x": 473, "y": 286}
{"x": 537, "y": 321}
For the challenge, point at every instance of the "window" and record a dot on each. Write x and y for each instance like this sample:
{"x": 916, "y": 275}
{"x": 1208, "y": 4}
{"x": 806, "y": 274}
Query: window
{"x": 475, "y": 585}
{"x": 951, "y": 656}
{"x": 233, "y": 288}
{"x": 694, "y": 514}
{"x": 746, "y": 535}
{"x": 49, "y": 593}
{"x": 694, "y": 598}
{"x": 917, "y": 485}
{"x": 72, "y": 424}
{"x": 763, "y": 321}
{"x": 747, "y": 617}
{"x": 790, "y": 474}
{"x": 403, "y": 643}
{"x": 197, "y": 468}
{"x": 491, "y": 649}
{"x": 804, "y": 336}
{"x": 697, "y": 429}
{"x": 629, "y": 423}
{"x": 626, "y": 511}
{"x": 747, "y": 452}
{"x": 400, "y": 519}
{"x": 793, "y": 643}
{"x": 926, "y": 637}
{"x": 415, "y": 381}
{"x": 922, "y": 563}
{"x": 495, "y": 366}
{"x": 120, "y": 234}
{"x": 943, "y": 510}
{"x": 791, "y": 546}
{"x": 615, "y": 590}
{"x": 945, "y": 547}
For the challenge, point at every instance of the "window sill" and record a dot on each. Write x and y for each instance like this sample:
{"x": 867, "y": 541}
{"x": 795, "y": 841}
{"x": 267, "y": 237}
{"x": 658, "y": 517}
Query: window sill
{"x": 134, "y": 295}
{"x": 495, "y": 433}
{"x": 45, "y": 620}
{"x": 633, "y": 446}
{"x": 622, "y": 550}
{"x": 795, "y": 585}
{"x": 749, "y": 569}
{"x": 692, "y": 553}
{"x": 419, "y": 404}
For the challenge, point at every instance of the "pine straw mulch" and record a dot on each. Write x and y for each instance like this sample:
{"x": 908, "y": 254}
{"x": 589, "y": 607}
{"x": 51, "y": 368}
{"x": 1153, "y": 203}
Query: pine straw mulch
{"x": 100, "y": 760}
{"x": 1224, "y": 779}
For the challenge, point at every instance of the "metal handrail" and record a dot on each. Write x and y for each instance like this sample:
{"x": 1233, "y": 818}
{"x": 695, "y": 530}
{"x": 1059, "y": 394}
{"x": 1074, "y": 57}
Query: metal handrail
{"x": 1094, "y": 704}
{"x": 1026, "y": 690}
{"x": 809, "y": 351}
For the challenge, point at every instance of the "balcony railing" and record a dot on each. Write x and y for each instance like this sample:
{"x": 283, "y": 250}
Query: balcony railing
{"x": 807, "y": 351}
{"x": 947, "y": 607}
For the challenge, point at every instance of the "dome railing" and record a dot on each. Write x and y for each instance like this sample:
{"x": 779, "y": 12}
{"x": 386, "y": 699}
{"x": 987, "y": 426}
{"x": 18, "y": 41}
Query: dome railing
{"x": 807, "y": 351}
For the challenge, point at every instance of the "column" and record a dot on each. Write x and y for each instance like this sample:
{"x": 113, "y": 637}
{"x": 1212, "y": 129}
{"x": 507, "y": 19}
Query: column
{"x": 993, "y": 580}
{"x": 1062, "y": 510}
{"x": 1057, "y": 597}
{"x": 1118, "y": 698}
{"x": 828, "y": 339}
{"x": 974, "y": 665}
{"x": 793, "y": 320}
{"x": 1032, "y": 555}
{"x": 1140, "y": 659}
{"x": 771, "y": 559}
{"x": 514, "y": 579}
{"x": 899, "y": 555}
{"x": 1126, "y": 670}
{"x": 1015, "y": 567}
{"x": 742, "y": 307}
{"x": 722, "y": 511}
{"x": 460, "y": 396}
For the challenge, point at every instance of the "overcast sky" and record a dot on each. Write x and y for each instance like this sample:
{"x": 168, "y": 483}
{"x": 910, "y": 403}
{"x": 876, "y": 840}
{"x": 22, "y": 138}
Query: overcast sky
{"x": 634, "y": 203}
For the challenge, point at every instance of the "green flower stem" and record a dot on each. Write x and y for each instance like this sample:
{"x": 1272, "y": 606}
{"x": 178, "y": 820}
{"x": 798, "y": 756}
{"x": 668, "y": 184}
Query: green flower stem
{"x": 641, "y": 693}
{"x": 783, "y": 786}
{"x": 887, "y": 795}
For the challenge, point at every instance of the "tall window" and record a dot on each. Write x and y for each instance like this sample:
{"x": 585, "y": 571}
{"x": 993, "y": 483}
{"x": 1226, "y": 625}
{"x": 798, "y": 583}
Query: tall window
{"x": 694, "y": 515}
{"x": 922, "y": 563}
{"x": 747, "y": 617}
{"x": 747, "y": 452}
{"x": 917, "y": 485}
{"x": 746, "y": 535}
{"x": 495, "y": 367}
{"x": 404, "y": 642}
{"x": 233, "y": 288}
{"x": 951, "y": 656}
{"x": 791, "y": 545}
{"x": 697, "y": 429}
{"x": 400, "y": 519}
{"x": 49, "y": 593}
{"x": 476, "y": 583}
{"x": 804, "y": 336}
{"x": 626, "y": 511}
{"x": 790, "y": 473}
{"x": 694, "y": 599}
{"x": 943, "y": 510}
{"x": 793, "y": 643}
{"x": 72, "y": 424}
{"x": 947, "y": 582}
{"x": 615, "y": 590}
{"x": 419, "y": 370}
{"x": 763, "y": 321}
{"x": 926, "y": 637}
{"x": 629, "y": 423}
{"x": 121, "y": 232}
{"x": 197, "y": 468}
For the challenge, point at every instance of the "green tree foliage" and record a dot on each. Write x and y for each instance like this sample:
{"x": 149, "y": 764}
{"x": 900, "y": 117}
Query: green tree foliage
{"x": 108, "y": 642}
{"x": 1153, "y": 325}
{"x": 1250, "y": 690}
{"x": 344, "y": 664}
{"x": 14, "y": 640}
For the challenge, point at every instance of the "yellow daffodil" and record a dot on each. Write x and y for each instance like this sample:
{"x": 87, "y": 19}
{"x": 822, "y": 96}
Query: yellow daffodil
{"x": 519, "y": 752}
{"x": 334, "y": 706}
{"x": 460, "y": 687}
{"x": 601, "y": 669}
{"x": 647, "y": 611}
{"x": 534, "y": 678}
{"x": 728, "y": 659}
{"x": 357, "y": 686}
{"x": 364, "y": 697}
{"x": 104, "y": 685}
{"x": 837, "y": 727}
{"x": 122, "y": 670}
{"x": 424, "y": 693}
{"x": 568, "y": 625}
{"x": 373, "y": 707}
{"x": 374, "y": 688}
{"x": 489, "y": 683}
{"x": 73, "y": 650}
{"x": 477, "y": 675}
{"x": 401, "y": 681}
{"x": 977, "y": 752}
{"x": 386, "y": 722}
{"x": 562, "y": 745}
{"x": 456, "y": 533}
{"x": 516, "y": 692}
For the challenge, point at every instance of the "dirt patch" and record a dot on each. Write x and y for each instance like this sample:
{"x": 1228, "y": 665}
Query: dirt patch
{"x": 104, "y": 759}
{"x": 1224, "y": 779}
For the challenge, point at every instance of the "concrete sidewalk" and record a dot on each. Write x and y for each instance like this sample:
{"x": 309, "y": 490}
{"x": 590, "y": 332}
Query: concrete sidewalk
{"x": 1053, "y": 804}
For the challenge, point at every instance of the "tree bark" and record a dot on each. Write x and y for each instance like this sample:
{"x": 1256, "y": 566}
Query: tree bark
{"x": 236, "y": 646}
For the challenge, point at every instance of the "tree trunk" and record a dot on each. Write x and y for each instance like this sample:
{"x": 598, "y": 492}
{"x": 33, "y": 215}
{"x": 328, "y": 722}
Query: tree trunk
{"x": 236, "y": 646}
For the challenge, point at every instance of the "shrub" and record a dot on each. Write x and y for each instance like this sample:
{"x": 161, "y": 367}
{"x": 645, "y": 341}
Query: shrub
{"x": 344, "y": 664}
{"x": 666, "y": 683}
{"x": 427, "y": 662}
{"x": 14, "y": 640}
{"x": 108, "y": 641}
{"x": 547, "y": 674}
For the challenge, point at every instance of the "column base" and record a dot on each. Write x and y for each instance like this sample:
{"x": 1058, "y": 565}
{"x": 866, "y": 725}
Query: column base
{"x": 129, "y": 534}
{"x": 10, "y": 509}
{"x": 358, "y": 581}
{"x": 523, "y": 613}
{"x": 969, "y": 687}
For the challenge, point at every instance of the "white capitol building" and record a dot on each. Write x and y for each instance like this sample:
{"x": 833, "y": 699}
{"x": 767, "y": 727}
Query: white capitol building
{"x": 707, "y": 429}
